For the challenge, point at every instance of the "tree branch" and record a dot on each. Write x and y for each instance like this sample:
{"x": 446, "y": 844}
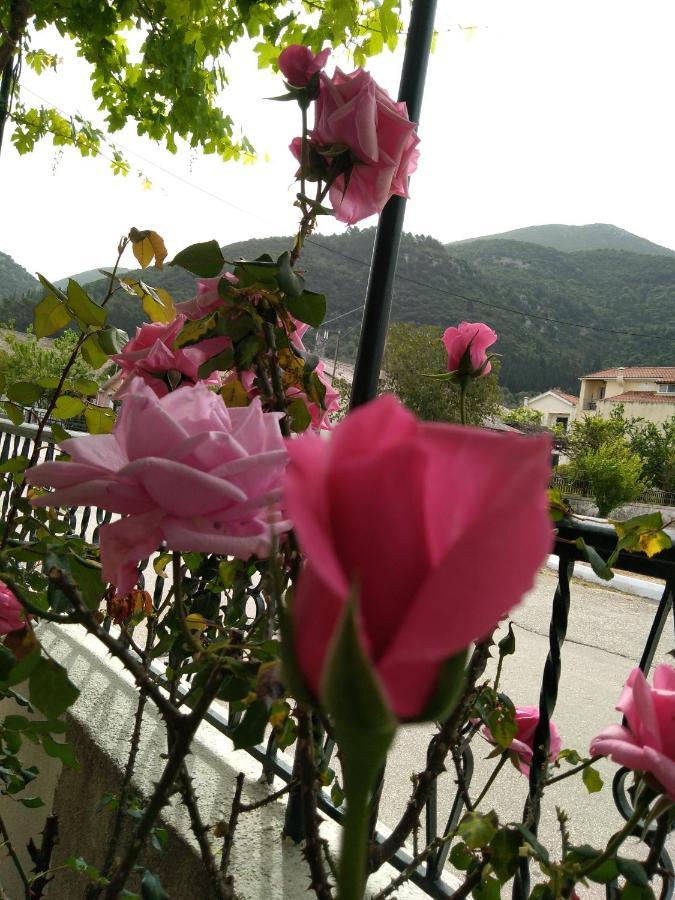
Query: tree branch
{"x": 20, "y": 12}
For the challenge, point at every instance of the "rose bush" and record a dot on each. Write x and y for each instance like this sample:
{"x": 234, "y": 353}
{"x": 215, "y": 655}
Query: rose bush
{"x": 407, "y": 513}
{"x": 522, "y": 746}
{"x": 207, "y": 299}
{"x": 647, "y": 741}
{"x": 354, "y": 112}
{"x": 150, "y": 355}
{"x": 466, "y": 346}
{"x": 182, "y": 469}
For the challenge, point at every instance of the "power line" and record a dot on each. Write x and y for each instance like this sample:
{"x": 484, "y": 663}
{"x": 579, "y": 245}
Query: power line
{"x": 362, "y": 262}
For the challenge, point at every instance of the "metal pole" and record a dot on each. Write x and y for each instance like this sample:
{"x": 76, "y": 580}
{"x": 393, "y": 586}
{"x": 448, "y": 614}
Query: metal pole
{"x": 337, "y": 347}
{"x": 388, "y": 235}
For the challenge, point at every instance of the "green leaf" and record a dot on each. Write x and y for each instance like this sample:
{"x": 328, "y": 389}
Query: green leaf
{"x": 290, "y": 282}
{"x": 507, "y": 645}
{"x": 502, "y": 724}
{"x": 86, "y": 575}
{"x": 85, "y": 386}
{"x": 504, "y": 856}
{"x": 604, "y": 873}
{"x": 636, "y": 892}
{"x": 300, "y": 416}
{"x": 24, "y": 392}
{"x": 112, "y": 340}
{"x": 540, "y": 851}
{"x": 16, "y": 465}
{"x": 14, "y": 413}
{"x": 64, "y": 752}
{"x": 50, "y": 689}
{"x": 460, "y": 857}
{"x": 251, "y": 729}
{"x": 488, "y": 889}
{"x": 59, "y": 433}
{"x": 204, "y": 259}
{"x": 83, "y": 308}
{"x": 67, "y": 407}
{"x": 478, "y": 829}
{"x": 592, "y": 556}
{"x": 32, "y": 802}
{"x": 23, "y": 668}
{"x": 633, "y": 871}
{"x": 221, "y": 362}
{"x": 309, "y": 308}
{"x": 592, "y": 780}
{"x": 99, "y": 419}
{"x": 92, "y": 351}
{"x": 50, "y": 315}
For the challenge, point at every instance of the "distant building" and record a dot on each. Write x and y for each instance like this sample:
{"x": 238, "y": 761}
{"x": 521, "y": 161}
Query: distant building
{"x": 556, "y": 407}
{"x": 646, "y": 392}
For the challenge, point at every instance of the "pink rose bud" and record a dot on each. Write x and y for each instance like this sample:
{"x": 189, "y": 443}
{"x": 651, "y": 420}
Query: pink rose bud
{"x": 354, "y": 113}
{"x": 150, "y": 355}
{"x": 403, "y": 513}
{"x": 647, "y": 742}
{"x": 12, "y": 616}
{"x": 298, "y": 64}
{"x": 466, "y": 345}
{"x": 522, "y": 746}
{"x": 181, "y": 469}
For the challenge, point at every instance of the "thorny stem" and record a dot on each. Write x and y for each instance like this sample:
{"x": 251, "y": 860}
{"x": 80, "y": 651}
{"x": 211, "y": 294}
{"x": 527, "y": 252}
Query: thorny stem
{"x": 200, "y": 831}
{"x": 462, "y": 786}
{"x": 193, "y": 642}
{"x": 584, "y": 765}
{"x": 236, "y": 808}
{"x": 184, "y": 731}
{"x": 662, "y": 828}
{"x": 270, "y": 798}
{"x": 277, "y": 386}
{"x": 491, "y": 780}
{"x": 15, "y": 859}
{"x": 19, "y": 488}
{"x": 313, "y": 850}
{"x": 438, "y": 751}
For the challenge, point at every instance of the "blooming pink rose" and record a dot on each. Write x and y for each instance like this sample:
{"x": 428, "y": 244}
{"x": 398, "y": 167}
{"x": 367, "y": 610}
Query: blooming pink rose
{"x": 409, "y": 513}
{"x": 353, "y": 111}
{"x": 12, "y": 616}
{"x": 474, "y": 337}
{"x": 298, "y": 64}
{"x": 331, "y": 399}
{"x": 647, "y": 742}
{"x": 182, "y": 469}
{"x": 527, "y": 719}
{"x": 207, "y": 298}
{"x": 150, "y": 355}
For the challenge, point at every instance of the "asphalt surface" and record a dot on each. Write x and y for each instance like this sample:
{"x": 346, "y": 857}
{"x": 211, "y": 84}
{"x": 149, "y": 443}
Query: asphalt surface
{"x": 606, "y": 634}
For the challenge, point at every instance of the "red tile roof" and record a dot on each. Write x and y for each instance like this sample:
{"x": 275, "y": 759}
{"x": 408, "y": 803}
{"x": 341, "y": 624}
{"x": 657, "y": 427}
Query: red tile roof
{"x": 641, "y": 397}
{"x": 569, "y": 397}
{"x": 653, "y": 373}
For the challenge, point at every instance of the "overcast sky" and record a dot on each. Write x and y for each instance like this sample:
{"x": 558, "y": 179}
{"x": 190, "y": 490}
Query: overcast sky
{"x": 545, "y": 112}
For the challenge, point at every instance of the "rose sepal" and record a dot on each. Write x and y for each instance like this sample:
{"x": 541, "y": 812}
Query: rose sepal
{"x": 451, "y": 681}
{"x": 364, "y": 728}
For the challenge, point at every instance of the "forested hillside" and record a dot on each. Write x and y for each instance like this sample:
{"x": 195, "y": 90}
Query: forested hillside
{"x": 14, "y": 279}
{"x": 517, "y": 287}
{"x": 573, "y": 238}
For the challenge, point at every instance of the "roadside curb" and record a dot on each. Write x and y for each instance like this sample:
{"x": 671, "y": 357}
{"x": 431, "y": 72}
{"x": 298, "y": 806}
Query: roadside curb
{"x": 648, "y": 590}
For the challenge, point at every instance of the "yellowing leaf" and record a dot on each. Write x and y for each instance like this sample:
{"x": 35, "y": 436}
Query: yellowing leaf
{"x": 99, "y": 419}
{"x": 234, "y": 394}
{"x": 147, "y": 245}
{"x": 50, "y": 315}
{"x": 195, "y": 622}
{"x": 158, "y": 306}
{"x": 143, "y": 252}
{"x": 158, "y": 247}
{"x": 68, "y": 407}
{"x": 654, "y": 542}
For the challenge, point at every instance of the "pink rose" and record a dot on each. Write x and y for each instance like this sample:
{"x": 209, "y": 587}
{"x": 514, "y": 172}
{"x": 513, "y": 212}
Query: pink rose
{"x": 353, "y": 111}
{"x": 12, "y": 616}
{"x": 474, "y": 337}
{"x": 647, "y": 742}
{"x": 408, "y": 512}
{"x": 207, "y": 299}
{"x": 182, "y": 469}
{"x": 150, "y": 355}
{"x": 331, "y": 399}
{"x": 298, "y": 64}
{"x": 527, "y": 719}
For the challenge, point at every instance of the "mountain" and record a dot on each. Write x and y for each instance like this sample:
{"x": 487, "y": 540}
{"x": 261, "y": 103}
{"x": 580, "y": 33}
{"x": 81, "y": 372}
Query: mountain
{"x": 86, "y": 277}
{"x": 14, "y": 279}
{"x": 558, "y": 315}
{"x": 573, "y": 238}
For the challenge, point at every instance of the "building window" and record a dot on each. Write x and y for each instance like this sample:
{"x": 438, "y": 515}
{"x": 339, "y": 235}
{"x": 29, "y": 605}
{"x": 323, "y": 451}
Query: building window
{"x": 667, "y": 388}
{"x": 602, "y": 392}
{"x": 561, "y": 420}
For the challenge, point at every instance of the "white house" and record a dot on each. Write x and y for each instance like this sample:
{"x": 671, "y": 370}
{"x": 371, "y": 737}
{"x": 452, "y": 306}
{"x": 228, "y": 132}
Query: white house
{"x": 556, "y": 407}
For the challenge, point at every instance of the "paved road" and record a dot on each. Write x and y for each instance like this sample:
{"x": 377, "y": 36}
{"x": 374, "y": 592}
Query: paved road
{"x": 606, "y": 634}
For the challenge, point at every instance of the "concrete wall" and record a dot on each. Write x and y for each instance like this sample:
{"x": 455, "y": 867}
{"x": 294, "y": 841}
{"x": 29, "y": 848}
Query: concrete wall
{"x": 551, "y": 407}
{"x": 586, "y": 507}
{"x": 653, "y": 412}
{"x": 264, "y": 867}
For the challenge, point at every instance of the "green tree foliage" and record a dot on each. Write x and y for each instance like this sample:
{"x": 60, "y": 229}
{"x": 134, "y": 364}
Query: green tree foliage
{"x": 162, "y": 65}
{"x": 655, "y": 445}
{"x": 24, "y": 358}
{"x": 522, "y": 415}
{"x": 613, "y": 472}
{"x": 589, "y": 433}
{"x": 415, "y": 351}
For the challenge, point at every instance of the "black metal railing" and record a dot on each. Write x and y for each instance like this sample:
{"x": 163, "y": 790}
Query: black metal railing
{"x": 430, "y": 876}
